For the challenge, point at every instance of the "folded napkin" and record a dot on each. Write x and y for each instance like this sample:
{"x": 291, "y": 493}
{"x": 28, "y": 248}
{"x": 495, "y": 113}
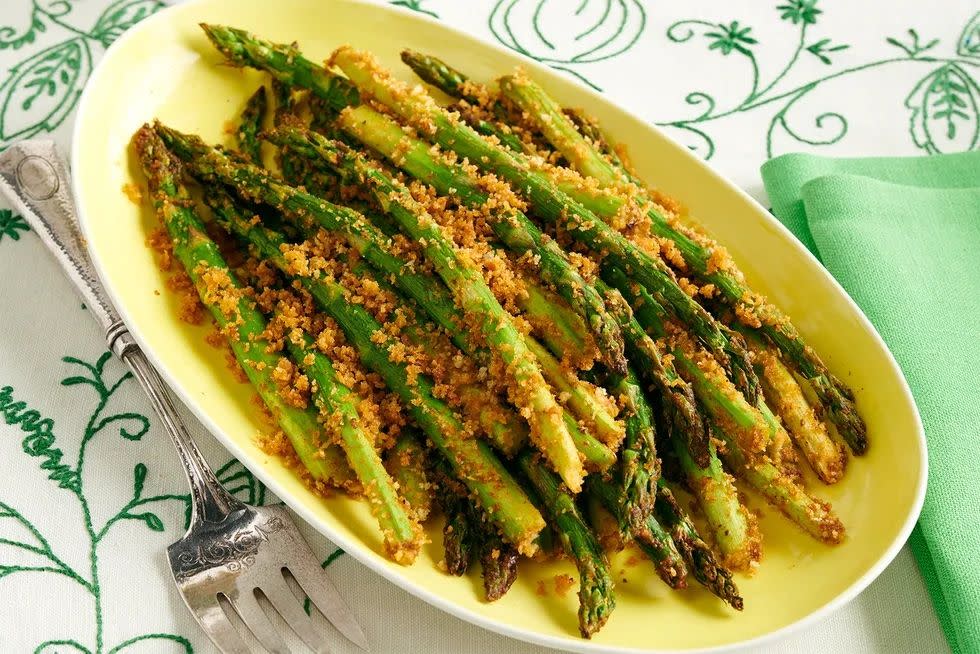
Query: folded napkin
{"x": 902, "y": 235}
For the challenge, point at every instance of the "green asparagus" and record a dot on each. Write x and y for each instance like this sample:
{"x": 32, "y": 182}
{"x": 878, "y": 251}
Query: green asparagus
{"x": 250, "y": 126}
{"x": 596, "y": 599}
{"x": 199, "y": 256}
{"x": 455, "y": 84}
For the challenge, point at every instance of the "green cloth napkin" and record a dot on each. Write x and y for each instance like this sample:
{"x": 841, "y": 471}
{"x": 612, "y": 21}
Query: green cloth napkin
{"x": 902, "y": 235}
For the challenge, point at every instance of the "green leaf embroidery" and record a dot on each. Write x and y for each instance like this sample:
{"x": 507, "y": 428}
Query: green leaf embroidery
{"x": 913, "y": 48}
{"x": 945, "y": 111}
{"x": 969, "y": 41}
{"x": 730, "y": 38}
{"x": 240, "y": 482}
{"x": 151, "y": 520}
{"x": 120, "y": 16}
{"x": 41, "y": 91}
{"x": 139, "y": 479}
{"x": 800, "y": 11}
{"x": 415, "y": 5}
{"x": 822, "y": 47}
{"x": 10, "y": 39}
{"x": 10, "y": 223}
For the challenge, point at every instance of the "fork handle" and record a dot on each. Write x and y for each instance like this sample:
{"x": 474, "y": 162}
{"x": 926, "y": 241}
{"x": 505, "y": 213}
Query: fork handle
{"x": 34, "y": 178}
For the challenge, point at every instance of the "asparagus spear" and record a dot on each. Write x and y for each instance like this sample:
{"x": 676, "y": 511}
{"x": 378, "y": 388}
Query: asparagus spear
{"x": 250, "y": 126}
{"x": 455, "y": 84}
{"x": 202, "y": 261}
{"x": 814, "y": 516}
{"x": 472, "y": 461}
{"x": 510, "y": 225}
{"x": 631, "y": 494}
{"x": 405, "y": 462}
{"x": 736, "y": 531}
{"x": 596, "y": 599}
{"x": 550, "y": 204}
{"x": 661, "y": 376}
{"x": 337, "y": 407}
{"x": 697, "y": 250}
{"x": 466, "y": 535}
{"x": 782, "y": 391}
{"x": 556, "y": 324}
{"x": 698, "y": 556}
{"x": 499, "y": 563}
{"x": 734, "y": 528}
{"x": 284, "y": 62}
{"x": 337, "y": 404}
{"x": 506, "y": 430}
{"x": 459, "y": 538}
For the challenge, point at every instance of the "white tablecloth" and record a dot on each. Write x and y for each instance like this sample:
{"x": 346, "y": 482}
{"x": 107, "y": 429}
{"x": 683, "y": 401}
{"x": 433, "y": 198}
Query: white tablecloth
{"x": 85, "y": 516}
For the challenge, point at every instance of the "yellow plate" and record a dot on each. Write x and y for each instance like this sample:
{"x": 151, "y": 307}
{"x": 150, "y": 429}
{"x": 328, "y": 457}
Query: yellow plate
{"x": 164, "y": 68}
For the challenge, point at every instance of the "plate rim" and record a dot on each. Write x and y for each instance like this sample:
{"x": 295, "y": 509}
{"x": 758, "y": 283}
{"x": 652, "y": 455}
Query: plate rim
{"x": 354, "y": 547}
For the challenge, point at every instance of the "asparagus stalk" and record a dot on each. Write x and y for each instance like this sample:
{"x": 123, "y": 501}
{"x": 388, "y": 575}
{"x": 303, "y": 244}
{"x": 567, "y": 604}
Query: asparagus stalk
{"x": 698, "y": 556}
{"x": 697, "y": 250}
{"x": 550, "y": 204}
{"x": 284, "y": 62}
{"x": 405, "y": 462}
{"x": 250, "y": 126}
{"x": 556, "y": 324}
{"x": 455, "y": 84}
{"x": 337, "y": 403}
{"x": 466, "y": 535}
{"x": 338, "y": 410}
{"x": 782, "y": 391}
{"x": 510, "y": 225}
{"x": 596, "y": 599}
{"x": 499, "y": 563}
{"x": 736, "y": 531}
{"x": 506, "y": 430}
{"x": 582, "y": 398}
{"x": 661, "y": 376}
{"x": 459, "y": 538}
{"x": 745, "y": 431}
{"x": 814, "y": 516}
{"x": 202, "y": 261}
{"x": 631, "y": 497}
{"x": 472, "y": 460}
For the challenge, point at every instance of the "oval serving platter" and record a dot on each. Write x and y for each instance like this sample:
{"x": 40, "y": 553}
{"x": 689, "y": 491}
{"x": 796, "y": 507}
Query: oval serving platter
{"x": 164, "y": 68}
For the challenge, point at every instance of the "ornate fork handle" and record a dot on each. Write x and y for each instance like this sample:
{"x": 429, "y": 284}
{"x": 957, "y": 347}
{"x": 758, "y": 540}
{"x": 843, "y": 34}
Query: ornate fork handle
{"x": 34, "y": 179}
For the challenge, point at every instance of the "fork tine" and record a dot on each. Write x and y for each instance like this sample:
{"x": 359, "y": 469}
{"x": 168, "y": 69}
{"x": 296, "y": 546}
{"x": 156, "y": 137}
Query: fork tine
{"x": 219, "y": 628}
{"x": 321, "y": 591}
{"x": 258, "y": 622}
{"x": 291, "y": 610}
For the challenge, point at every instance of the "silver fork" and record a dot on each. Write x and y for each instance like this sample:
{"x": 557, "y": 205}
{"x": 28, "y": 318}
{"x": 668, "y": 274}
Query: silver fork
{"x": 231, "y": 551}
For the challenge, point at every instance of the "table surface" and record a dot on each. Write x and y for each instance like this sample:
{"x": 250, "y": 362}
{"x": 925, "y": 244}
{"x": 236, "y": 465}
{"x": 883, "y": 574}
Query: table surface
{"x": 82, "y": 566}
